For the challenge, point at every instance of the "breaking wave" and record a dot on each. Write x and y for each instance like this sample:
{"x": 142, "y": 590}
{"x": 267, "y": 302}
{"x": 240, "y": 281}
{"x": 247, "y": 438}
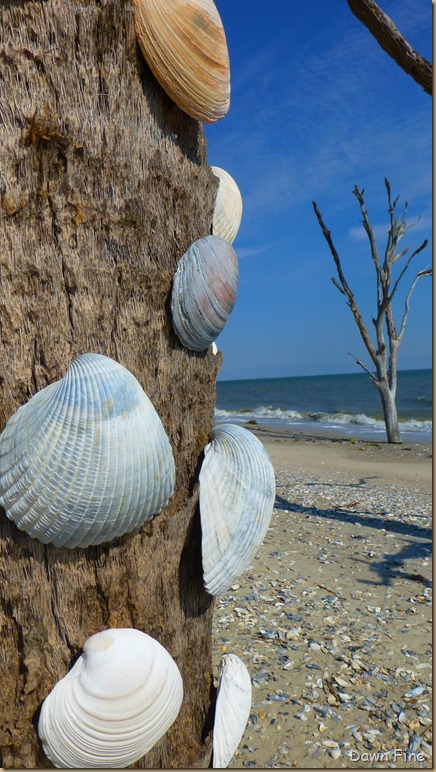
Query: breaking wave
{"x": 347, "y": 422}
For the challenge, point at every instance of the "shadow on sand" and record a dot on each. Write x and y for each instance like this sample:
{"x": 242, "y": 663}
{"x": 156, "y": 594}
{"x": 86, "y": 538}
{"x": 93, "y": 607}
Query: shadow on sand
{"x": 391, "y": 566}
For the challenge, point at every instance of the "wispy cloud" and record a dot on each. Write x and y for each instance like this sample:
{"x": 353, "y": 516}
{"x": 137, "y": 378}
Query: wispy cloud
{"x": 419, "y": 225}
{"x": 245, "y": 253}
{"x": 314, "y": 123}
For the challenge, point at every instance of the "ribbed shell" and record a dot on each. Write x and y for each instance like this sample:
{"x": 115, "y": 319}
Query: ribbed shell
{"x": 233, "y": 707}
{"x": 227, "y": 214}
{"x": 184, "y": 44}
{"x": 237, "y": 492}
{"x": 119, "y": 698}
{"x": 204, "y": 291}
{"x": 86, "y": 459}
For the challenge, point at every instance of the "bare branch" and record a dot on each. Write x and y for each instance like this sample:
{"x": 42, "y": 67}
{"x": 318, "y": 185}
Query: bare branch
{"x": 337, "y": 285}
{"x": 419, "y": 275}
{"x": 391, "y": 40}
{"x": 396, "y": 232}
{"x": 363, "y": 366}
{"x": 416, "y": 252}
{"x": 370, "y": 233}
{"x": 346, "y": 289}
{"x": 368, "y": 227}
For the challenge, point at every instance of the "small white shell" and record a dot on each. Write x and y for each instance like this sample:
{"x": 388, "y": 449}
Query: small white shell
{"x": 119, "y": 698}
{"x": 227, "y": 213}
{"x": 233, "y": 707}
{"x": 237, "y": 493}
{"x": 204, "y": 291}
{"x": 86, "y": 459}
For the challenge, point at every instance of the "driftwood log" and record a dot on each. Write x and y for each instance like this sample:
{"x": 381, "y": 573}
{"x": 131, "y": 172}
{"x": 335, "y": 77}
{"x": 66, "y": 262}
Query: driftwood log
{"x": 103, "y": 186}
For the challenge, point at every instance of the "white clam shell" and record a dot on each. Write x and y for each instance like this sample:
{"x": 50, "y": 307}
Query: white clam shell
{"x": 233, "y": 707}
{"x": 204, "y": 291}
{"x": 237, "y": 493}
{"x": 185, "y": 46}
{"x": 227, "y": 213}
{"x": 119, "y": 698}
{"x": 86, "y": 459}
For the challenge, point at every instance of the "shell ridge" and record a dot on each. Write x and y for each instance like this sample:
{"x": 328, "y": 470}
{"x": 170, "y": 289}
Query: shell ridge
{"x": 72, "y": 737}
{"x": 87, "y": 483}
{"x": 186, "y": 49}
{"x": 44, "y": 487}
{"x": 83, "y": 479}
{"x": 237, "y": 493}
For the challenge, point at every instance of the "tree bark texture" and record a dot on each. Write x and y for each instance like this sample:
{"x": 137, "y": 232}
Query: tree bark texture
{"x": 391, "y": 40}
{"x": 390, "y": 414}
{"x": 103, "y": 186}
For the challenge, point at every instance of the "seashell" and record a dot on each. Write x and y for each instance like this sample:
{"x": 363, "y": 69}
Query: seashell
{"x": 228, "y": 207}
{"x": 237, "y": 493}
{"x": 119, "y": 698}
{"x": 185, "y": 46}
{"x": 204, "y": 291}
{"x": 233, "y": 707}
{"x": 86, "y": 459}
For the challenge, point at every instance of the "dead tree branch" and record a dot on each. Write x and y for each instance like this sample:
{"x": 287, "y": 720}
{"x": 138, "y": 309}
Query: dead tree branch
{"x": 393, "y": 42}
{"x": 345, "y": 288}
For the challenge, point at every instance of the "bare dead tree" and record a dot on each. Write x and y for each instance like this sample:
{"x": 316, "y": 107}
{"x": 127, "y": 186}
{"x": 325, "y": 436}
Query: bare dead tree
{"x": 384, "y": 356}
{"x": 393, "y": 42}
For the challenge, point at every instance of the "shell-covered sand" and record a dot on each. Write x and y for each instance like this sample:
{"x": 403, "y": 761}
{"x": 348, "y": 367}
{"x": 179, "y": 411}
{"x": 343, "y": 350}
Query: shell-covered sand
{"x": 333, "y": 617}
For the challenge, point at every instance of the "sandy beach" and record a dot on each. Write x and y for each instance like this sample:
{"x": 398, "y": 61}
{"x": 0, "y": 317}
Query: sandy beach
{"x": 333, "y": 618}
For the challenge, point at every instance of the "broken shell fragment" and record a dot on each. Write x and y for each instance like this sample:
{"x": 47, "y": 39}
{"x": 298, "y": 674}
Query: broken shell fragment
{"x": 185, "y": 46}
{"x": 233, "y": 707}
{"x": 204, "y": 291}
{"x": 86, "y": 459}
{"x": 119, "y": 698}
{"x": 227, "y": 213}
{"x": 237, "y": 493}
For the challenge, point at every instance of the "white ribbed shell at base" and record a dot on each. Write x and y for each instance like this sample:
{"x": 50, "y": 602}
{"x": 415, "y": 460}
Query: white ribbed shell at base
{"x": 237, "y": 493}
{"x": 227, "y": 213}
{"x": 116, "y": 702}
{"x": 86, "y": 459}
{"x": 233, "y": 707}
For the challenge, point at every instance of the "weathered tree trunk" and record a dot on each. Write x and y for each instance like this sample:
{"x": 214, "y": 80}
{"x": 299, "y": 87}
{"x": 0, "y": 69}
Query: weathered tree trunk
{"x": 389, "y": 411}
{"x": 103, "y": 186}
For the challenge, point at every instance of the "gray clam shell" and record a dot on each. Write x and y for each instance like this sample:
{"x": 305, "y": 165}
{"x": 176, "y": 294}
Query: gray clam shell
{"x": 119, "y": 698}
{"x": 86, "y": 459}
{"x": 204, "y": 291}
{"x": 237, "y": 493}
{"x": 233, "y": 707}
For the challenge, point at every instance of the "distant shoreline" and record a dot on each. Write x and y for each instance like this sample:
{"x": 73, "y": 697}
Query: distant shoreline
{"x": 268, "y": 432}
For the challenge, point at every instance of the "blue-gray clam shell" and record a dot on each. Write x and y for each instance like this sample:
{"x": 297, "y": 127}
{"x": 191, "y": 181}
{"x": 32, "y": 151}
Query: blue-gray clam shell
{"x": 86, "y": 459}
{"x": 237, "y": 493}
{"x": 204, "y": 291}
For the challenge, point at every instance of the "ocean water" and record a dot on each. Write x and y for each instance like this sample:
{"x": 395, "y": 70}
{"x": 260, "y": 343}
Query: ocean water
{"x": 344, "y": 405}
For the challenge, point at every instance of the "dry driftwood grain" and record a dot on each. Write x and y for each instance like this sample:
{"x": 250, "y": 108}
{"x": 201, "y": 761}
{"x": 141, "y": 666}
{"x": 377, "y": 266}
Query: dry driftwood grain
{"x": 103, "y": 186}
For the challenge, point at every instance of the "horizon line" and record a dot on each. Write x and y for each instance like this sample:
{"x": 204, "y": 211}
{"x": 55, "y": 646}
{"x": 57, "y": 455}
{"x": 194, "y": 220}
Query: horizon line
{"x": 319, "y": 375}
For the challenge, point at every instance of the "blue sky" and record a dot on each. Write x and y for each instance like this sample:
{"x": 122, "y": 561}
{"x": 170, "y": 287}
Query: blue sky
{"x": 317, "y": 107}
